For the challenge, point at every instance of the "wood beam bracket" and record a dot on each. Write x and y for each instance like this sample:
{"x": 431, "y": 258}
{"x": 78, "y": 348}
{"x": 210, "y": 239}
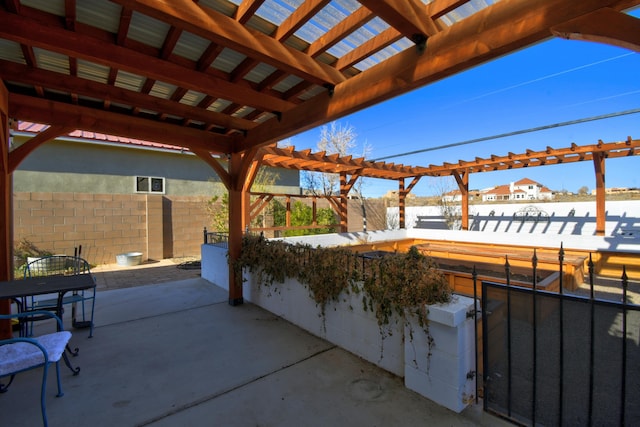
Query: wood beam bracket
{"x": 421, "y": 42}
{"x": 330, "y": 89}
{"x": 278, "y": 115}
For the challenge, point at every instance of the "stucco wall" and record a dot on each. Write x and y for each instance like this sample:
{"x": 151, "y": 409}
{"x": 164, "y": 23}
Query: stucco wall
{"x": 82, "y": 167}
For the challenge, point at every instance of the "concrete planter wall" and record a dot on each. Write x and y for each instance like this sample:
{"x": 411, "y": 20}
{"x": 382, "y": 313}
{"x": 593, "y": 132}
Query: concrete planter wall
{"x": 402, "y": 348}
{"x": 442, "y": 377}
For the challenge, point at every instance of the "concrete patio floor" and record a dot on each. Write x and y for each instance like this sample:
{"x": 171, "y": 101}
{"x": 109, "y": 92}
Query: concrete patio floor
{"x": 176, "y": 354}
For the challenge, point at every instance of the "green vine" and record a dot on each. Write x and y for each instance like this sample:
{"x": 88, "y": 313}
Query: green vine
{"x": 393, "y": 284}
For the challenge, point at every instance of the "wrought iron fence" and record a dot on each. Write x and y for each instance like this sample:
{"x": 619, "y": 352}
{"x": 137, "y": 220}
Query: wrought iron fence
{"x": 216, "y": 238}
{"x": 559, "y": 358}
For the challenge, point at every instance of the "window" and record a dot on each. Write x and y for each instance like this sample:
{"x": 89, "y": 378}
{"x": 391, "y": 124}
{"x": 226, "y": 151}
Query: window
{"x": 149, "y": 184}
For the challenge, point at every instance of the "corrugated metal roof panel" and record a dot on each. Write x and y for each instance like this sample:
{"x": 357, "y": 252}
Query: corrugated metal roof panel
{"x": 51, "y": 61}
{"x": 228, "y": 60}
{"x": 147, "y": 30}
{"x": 259, "y": 72}
{"x": 242, "y": 112}
{"x": 465, "y": 11}
{"x": 219, "y": 105}
{"x": 312, "y": 92}
{"x": 11, "y": 51}
{"x": 192, "y": 98}
{"x": 190, "y": 46}
{"x": 52, "y": 6}
{"x": 287, "y": 83}
{"x": 99, "y": 14}
{"x": 92, "y": 71}
{"x": 276, "y": 11}
{"x": 129, "y": 81}
{"x": 162, "y": 90}
{"x": 225, "y": 7}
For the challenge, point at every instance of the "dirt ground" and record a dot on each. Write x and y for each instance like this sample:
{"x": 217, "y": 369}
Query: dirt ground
{"x": 114, "y": 276}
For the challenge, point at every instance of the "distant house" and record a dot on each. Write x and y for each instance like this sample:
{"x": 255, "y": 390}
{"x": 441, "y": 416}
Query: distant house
{"x": 525, "y": 189}
{"x": 452, "y": 196}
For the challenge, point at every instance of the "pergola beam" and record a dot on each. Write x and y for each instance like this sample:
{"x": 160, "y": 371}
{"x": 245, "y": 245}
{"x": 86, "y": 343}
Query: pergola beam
{"x": 483, "y": 36}
{"x": 10, "y": 71}
{"x": 44, "y": 111}
{"x": 603, "y": 26}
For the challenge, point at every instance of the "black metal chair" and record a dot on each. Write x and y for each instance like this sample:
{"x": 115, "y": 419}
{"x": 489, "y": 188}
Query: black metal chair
{"x": 62, "y": 265}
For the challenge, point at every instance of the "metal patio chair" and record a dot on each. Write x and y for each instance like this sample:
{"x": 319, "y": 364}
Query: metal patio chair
{"x": 62, "y": 265}
{"x": 22, "y": 354}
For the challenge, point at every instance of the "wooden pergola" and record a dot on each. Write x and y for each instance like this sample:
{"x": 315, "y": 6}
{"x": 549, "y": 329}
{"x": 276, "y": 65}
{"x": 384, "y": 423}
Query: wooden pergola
{"x": 226, "y": 80}
{"x": 351, "y": 169}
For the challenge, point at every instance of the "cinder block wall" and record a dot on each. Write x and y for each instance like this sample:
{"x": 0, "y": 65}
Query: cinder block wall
{"x": 108, "y": 224}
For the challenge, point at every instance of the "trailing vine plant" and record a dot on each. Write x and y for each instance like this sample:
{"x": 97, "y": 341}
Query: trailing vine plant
{"x": 398, "y": 283}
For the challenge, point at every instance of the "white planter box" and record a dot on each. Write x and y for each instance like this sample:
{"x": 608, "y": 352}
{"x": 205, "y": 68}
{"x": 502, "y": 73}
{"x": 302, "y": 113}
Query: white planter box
{"x": 403, "y": 347}
{"x": 442, "y": 376}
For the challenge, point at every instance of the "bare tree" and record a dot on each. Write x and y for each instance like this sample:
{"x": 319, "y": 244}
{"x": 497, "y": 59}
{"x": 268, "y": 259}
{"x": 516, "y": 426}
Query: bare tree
{"x": 337, "y": 139}
{"x": 450, "y": 207}
{"x": 334, "y": 139}
{"x": 583, "y": 191}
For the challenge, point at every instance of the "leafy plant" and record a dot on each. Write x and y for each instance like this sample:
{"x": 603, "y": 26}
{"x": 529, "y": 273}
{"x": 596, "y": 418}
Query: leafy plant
{"x": 391, "y": 284}
{"x": 26, "y": 249}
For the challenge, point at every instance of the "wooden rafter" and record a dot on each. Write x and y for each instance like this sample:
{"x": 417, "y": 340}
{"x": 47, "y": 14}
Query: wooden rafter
{"x": 485, "y": 35}
{"x": 348, "y": 25}
{"x": 407, "y": 16}
{"x": 224, "y": 30}
{"x": 43, "y": 111}
{"x": 24, "y": 30}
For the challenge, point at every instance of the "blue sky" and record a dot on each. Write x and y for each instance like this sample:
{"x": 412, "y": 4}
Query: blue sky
{"x": 551, "y": 82}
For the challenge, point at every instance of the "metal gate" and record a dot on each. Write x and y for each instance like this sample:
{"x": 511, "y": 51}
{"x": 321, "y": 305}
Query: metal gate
{"x": 554, "y": 359}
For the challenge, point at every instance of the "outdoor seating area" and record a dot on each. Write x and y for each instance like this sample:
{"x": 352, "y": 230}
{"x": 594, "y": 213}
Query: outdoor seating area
{"x": 149, "y": 364}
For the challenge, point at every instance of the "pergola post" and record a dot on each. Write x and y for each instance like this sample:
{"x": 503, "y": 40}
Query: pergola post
{"x": 401, "y": 203}
{"x": 6, "y": 229}
{"x": 237, "y": 223}
{"x": 598, "y": 163}
{"x": 462, "y": 179}
{"x": 344, "y": 191}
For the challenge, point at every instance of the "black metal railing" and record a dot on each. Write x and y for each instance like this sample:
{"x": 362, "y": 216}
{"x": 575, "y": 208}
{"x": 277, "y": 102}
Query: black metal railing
{"x": 569, "y": 357}
{"x": 217, "y": 238}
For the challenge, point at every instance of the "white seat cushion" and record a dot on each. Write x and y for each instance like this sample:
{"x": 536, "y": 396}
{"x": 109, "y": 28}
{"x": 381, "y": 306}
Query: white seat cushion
{"x": 18, "y": 356}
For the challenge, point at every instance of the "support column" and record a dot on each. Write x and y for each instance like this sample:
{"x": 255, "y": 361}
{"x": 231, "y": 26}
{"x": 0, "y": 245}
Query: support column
{"x": 598, "y": 163}
{"x": 463, "y": 184}
{"x": 344, "y": 212}
{"x": 402, "y": 194}
{"x": 6, "y": 210}
{"x": 236, "y": 226}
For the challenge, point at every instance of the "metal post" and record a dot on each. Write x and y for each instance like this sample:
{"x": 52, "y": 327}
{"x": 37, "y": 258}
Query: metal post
{"x": 474, "y": 275}
{"x": 592, "y": 346}
{"x": 534, "y": 263}
{"x": 507, "y": 270}
{"x": 205, "y": 235}
{"x": 561, "y": 376}
{"x": 623, "y": 386}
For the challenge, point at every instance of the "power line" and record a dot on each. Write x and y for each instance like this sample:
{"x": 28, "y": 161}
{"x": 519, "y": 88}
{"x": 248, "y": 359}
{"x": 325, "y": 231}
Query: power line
{"x": 517, "y": 132}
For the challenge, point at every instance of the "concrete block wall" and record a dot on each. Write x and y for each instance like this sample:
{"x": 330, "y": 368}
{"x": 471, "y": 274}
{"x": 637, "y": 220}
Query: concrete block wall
{"x": 108, "y": 224}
